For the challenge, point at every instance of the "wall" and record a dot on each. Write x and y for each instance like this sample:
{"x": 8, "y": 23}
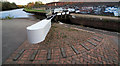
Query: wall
{"x": 107, "y": 24}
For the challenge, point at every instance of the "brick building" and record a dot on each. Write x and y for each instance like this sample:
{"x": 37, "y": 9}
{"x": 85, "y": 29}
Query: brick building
{"x": 82, "y": 3}
{"x": 60, "y": 3}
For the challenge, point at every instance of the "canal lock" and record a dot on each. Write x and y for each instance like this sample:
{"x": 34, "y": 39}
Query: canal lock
{"x": 63, "y": 18}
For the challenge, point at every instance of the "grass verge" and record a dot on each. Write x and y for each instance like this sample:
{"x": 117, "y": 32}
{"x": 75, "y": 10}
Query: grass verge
{"x": 34, "y": 10}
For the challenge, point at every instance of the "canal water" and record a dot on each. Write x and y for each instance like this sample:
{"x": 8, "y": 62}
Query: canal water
{"x": 19, "y": 13}
{"x": 16, "y": 13}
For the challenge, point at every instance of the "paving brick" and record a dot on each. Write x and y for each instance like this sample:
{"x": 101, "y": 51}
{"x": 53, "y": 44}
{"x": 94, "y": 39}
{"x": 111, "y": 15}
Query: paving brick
{"x": 68, "y": 62}
{"x": 49, "y": 54}
{"x": 104, "y": 53}
{"x": 32, "y": 57}
{"x": 96, "y": 39}
{"x": 63, "y": 52}
{"x": 19, "y": 54}
{"x": 69, "y": 52}
{"x": 75, "y": 50}
{"x": 99, "y": 58}
{"x": 24, "y": 59}
{"x": 81, "y": 60}
{"x": 35, "y": 62}
{"x": 25, "y": 56}
{"x": 84, "y": 46}
{"x": 20, "y": 62}
{"x": 56, "y": 60}
{"x": 92, "y": 43}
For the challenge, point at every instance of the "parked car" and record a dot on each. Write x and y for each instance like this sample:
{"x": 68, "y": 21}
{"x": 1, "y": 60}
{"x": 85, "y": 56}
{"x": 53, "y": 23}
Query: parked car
{"x": 77, "y": 11}
{"x": 71, "y": 9}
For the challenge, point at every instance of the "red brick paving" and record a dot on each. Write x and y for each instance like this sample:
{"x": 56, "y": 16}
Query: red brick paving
{"x": 106, "y": 52}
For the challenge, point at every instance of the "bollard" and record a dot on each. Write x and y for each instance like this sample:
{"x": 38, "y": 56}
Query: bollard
{"x": 37, "y": 32}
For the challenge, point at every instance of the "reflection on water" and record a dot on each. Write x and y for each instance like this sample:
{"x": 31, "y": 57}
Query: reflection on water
{"x": 17, "y": 13}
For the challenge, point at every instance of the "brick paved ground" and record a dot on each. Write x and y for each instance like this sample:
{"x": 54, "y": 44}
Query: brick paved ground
{"x": 64, "y": 48}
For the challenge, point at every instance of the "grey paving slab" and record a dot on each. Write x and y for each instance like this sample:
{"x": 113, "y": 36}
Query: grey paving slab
{"x": 13, "y": 35}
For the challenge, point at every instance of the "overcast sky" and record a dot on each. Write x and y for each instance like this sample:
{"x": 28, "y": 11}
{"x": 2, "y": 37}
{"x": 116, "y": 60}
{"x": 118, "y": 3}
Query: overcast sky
{"x": 24, "y": 2}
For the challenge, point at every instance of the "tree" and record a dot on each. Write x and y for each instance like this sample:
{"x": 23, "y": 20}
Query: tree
{"x": 13, "y": 5}
{"x": 0, "y": 6}
{"x": 8, "y": 5}
{"x": 20, "y": 6}
{"x": 30, "y": 5}
{"x": 5, "y": 5}
{"x": 38, "y": 4}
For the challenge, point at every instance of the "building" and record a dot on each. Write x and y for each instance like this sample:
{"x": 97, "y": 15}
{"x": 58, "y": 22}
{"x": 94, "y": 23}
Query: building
{"x": 59, "y": 3}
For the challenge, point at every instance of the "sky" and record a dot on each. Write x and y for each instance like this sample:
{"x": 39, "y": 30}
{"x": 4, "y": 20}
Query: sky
{"x": 24, "y": 2}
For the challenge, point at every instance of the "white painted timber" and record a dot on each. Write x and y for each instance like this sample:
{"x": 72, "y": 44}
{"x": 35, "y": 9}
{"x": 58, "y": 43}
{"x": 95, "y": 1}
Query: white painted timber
{"x": 63, "y": 13}
{"x": 58, "y": 13}
{"x": 67, "y": 12}
{"x": 37, "y": 32}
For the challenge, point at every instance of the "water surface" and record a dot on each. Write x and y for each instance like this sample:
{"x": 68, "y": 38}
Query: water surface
{"x": 16, "y": 13}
